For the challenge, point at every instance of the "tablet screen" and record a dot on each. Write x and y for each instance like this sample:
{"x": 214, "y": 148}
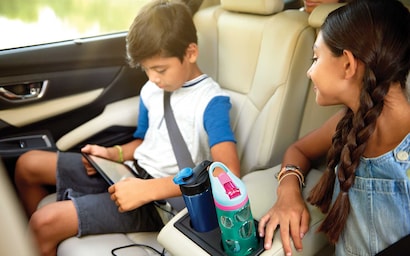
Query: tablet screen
{"x": 110, "y": 170}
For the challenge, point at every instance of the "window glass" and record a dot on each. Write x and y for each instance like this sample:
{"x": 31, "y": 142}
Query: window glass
{"x": 33, "y": 22}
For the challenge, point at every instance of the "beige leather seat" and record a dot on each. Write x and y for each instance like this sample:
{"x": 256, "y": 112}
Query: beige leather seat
{"x": 14, "y": 238}
{"x": 259, "y": 54}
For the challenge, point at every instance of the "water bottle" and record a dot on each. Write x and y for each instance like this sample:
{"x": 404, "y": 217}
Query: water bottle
{"x": 238, "y": 231}
{"x": 196, "y": 191}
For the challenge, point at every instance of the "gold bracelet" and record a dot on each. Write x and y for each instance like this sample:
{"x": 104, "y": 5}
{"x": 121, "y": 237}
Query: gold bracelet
{"x": 121, "y": 155}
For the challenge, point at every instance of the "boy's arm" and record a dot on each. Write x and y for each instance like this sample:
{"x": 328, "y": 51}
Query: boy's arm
{"x": 225, "y": 152}
{"x": 220, "y": 135}
{"x": 129, "y": 148}
{"x": 162, "y": 188}
{"x": 115, "y": 153}
{"x": 132, "y": 193}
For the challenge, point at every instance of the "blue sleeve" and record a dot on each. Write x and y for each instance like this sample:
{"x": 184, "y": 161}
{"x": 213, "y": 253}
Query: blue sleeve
{"x": 217, "y": 121}
{"x": 142, "y": 125}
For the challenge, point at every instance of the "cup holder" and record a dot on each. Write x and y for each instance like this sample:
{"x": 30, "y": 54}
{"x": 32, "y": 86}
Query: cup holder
{"x": 209, "y": 241}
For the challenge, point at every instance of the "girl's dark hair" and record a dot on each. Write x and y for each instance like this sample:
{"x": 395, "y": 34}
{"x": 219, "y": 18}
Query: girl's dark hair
{"x": 377, "y": 32}
{"x": 162, "y": 27}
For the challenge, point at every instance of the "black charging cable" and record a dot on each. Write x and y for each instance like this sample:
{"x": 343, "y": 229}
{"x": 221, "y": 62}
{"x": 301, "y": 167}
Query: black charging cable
{"x": 137, "y": 245}
{"x": 159, "y": 204}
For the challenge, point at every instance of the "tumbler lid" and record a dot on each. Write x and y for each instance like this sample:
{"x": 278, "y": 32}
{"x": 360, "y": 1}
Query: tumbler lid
{"x": 193, "y": 181}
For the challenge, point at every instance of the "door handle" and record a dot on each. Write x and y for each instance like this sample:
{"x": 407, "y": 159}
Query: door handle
{"x": 26, "y": 91}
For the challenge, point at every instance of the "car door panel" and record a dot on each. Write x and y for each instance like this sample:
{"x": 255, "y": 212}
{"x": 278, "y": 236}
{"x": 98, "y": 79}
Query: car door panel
{"x": 91, "y": 94}
{"x": 101, "y": 51}
{"x": 58, "y": 84}
{"x": 118, "y": 114}
{"x": 26, "y": 115}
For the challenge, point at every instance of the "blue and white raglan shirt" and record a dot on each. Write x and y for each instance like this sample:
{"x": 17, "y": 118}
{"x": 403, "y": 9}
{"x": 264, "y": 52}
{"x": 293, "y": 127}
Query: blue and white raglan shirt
{"x": 201, "y": 109}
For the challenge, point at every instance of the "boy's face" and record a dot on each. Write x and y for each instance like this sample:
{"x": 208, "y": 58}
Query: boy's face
{"x": 169, "y": 73}
{"x": 311, "y": 4}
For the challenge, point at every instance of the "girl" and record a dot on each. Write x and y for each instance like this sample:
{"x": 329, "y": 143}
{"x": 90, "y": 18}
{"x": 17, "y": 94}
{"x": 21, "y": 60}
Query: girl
{"x": 361, "y": 60}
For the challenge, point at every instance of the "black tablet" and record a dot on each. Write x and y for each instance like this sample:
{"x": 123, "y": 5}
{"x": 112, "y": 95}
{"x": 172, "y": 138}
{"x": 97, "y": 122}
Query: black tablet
{"x": 111, "y": 171}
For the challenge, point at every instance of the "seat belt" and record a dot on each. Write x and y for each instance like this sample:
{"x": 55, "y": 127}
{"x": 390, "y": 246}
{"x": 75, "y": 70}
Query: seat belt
{"x": 179, "y": 147}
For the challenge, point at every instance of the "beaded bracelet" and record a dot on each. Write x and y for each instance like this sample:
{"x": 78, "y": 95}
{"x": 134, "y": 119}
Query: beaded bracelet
{"x": 120, "y": 153}
{"x": 284, "y": 171}
{"x": 291, "y": 170}
{"x": 292, "y": 173}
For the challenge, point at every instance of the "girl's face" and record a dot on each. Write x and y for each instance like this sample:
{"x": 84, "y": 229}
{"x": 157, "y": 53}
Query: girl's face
{"x": 328, "y": 75}
{"x": 169, "y": 73}
{"x": 311, "y": 4}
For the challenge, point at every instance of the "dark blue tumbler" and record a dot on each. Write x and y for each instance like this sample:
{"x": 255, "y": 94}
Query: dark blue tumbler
{"x": 196, "y": 190}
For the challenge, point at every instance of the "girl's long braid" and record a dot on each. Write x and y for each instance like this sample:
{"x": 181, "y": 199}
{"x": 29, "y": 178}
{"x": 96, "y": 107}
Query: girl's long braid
{"x": 349, "y": 144}
{"x": 385, "y": 53}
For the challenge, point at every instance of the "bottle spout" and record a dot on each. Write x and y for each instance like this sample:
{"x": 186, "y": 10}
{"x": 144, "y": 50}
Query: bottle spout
{"x": 230, "y": 188}
{"x": 183, "y": 176}
{"x": 192, "y": 176}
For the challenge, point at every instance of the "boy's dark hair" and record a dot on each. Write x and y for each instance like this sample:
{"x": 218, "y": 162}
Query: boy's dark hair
{"x": 162, "y": 27}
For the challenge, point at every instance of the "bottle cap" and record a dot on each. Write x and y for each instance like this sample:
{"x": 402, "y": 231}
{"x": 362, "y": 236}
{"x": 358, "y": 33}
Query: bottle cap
{"x": 228, "y": 190}
{"x": 193, "y": 181}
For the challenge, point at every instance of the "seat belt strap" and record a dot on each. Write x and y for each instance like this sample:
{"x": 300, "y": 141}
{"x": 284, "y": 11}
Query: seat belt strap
{"x": 179, "y": 146}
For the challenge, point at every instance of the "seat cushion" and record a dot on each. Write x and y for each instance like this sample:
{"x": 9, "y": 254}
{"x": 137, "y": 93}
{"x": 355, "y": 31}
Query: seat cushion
{"x": 100, "y": 245}
{"x": 264, "y": 183}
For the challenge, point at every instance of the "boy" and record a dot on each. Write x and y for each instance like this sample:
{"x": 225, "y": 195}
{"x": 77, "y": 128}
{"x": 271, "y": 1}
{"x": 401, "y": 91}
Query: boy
{"x": 309, "y": 5}
{"x": 162, "y": 41}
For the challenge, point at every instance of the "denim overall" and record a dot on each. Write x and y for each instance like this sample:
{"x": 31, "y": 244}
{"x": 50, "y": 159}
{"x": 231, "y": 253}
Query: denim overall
{"x": 380, "y": 203}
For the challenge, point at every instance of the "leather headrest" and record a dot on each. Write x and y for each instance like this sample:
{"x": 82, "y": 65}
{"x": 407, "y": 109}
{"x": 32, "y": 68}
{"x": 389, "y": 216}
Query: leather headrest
{"x": 262, "y": 7}
{"x": 319, "y": 14}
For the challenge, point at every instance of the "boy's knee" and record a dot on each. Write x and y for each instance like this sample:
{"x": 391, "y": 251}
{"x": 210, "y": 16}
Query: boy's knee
{"x": 26, "y": 166}
{"x": 43, "y": 225}
{"x": 39, "y": 220}
{"x": 43, "y": 219}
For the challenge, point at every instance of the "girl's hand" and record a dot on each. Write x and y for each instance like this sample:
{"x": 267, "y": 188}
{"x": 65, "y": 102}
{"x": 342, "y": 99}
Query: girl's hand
{"x": 291, "y": 215}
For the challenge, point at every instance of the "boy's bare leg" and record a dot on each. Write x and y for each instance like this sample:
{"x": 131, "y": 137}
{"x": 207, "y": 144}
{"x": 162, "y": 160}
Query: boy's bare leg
{"x": 52, "y": 224}
{"x": 34, "y": 169}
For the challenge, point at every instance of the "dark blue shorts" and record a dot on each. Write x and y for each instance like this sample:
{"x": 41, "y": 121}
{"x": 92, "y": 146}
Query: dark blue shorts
{"x": 97, "y": 213}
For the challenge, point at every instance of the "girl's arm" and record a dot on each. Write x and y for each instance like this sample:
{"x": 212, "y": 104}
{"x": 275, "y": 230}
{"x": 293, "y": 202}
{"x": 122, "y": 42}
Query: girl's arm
{"x": 290, "y": 211}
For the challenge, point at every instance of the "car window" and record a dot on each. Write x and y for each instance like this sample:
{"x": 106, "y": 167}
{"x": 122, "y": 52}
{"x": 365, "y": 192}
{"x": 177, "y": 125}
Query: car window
{"x": 25, "y": 23}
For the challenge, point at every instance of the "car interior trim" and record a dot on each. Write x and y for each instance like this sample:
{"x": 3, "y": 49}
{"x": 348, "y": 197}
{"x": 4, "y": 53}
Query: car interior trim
{"x": 120, "y": 113}
{"x": 36, "y": 112}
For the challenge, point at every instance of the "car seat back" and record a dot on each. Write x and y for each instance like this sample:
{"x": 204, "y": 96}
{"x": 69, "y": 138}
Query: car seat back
{"x": 15, "y": 238}
{"x": 259, "y": 54}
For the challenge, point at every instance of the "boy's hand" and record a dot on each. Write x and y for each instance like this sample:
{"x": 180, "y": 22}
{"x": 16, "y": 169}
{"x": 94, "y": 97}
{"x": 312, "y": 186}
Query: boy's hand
{"x": 93, "y": 150}
{"x": 130, "y": 193}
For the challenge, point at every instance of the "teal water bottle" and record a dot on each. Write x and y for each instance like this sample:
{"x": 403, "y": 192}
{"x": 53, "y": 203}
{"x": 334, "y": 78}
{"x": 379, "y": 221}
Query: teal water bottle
{"x": 234, "y": 214}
